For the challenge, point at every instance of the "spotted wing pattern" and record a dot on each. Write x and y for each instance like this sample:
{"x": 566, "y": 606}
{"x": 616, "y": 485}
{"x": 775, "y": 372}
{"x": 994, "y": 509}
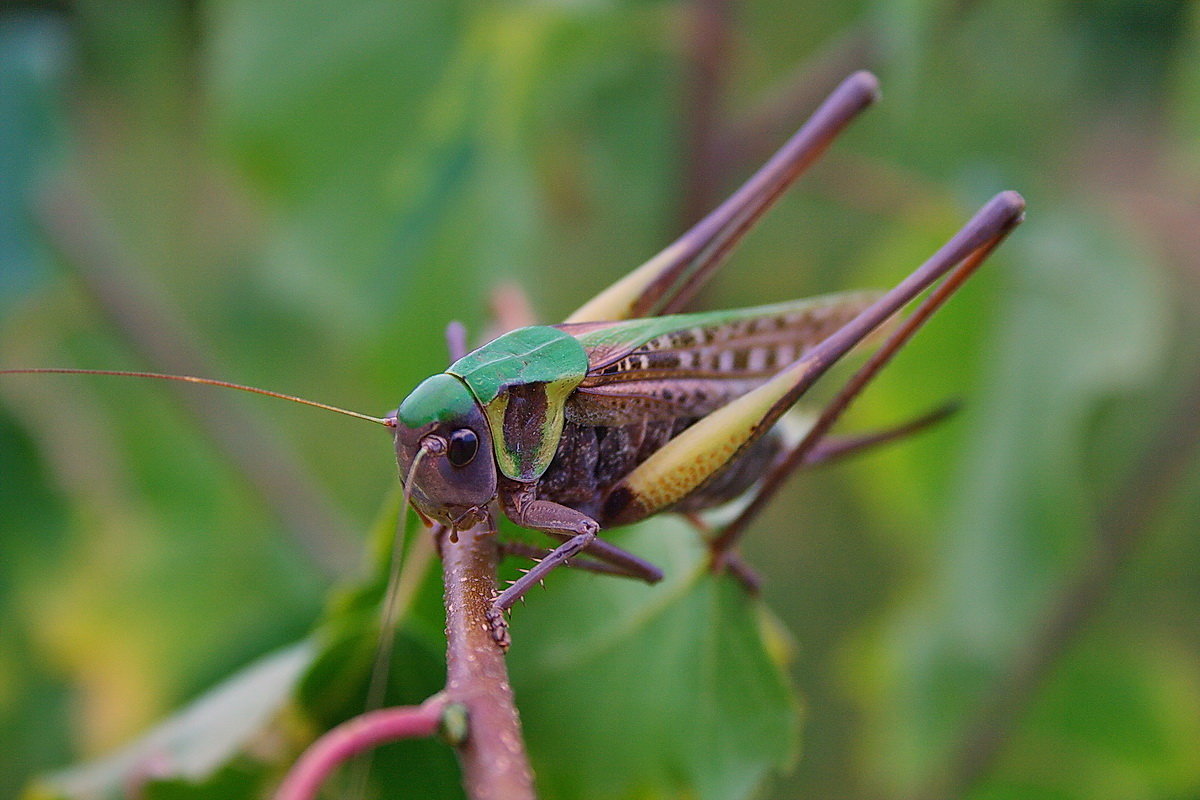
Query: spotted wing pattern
{"x": 688, "y": 365}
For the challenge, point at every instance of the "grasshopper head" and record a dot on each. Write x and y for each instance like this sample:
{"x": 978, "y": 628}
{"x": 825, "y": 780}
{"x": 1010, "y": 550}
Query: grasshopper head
{"x": 455, "y": 476}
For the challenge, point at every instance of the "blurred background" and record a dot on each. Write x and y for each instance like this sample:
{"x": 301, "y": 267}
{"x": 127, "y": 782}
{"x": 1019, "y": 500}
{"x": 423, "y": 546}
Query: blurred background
{"x": 300, "y": 194}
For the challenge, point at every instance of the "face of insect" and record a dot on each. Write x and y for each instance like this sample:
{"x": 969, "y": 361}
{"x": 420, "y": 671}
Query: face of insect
{"x": 443, "y": 432}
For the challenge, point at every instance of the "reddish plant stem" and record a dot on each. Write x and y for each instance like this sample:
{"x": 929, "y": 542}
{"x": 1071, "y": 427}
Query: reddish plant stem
{"x": 491, "y": 751}
{"x": 493, "y": 759}
{"x": 355, "y": 736}
{"x": 492, "y": 756}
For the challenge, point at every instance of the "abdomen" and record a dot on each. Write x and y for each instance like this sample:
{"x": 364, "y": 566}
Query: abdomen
{"x": 592, "y": 459}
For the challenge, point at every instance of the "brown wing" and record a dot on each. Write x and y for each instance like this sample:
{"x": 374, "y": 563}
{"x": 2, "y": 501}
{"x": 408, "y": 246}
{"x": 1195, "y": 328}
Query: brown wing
{"x": 688, "y": 365}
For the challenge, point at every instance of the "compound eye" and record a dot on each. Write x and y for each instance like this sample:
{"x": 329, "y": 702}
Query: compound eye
{"x": 464, "y": 444}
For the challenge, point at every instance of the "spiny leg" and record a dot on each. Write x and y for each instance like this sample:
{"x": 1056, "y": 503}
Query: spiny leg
{"x": 734, "y": 564}
{"x": 799, "y": 454}
{"x": 618, "y": 557}
{"x": 532, "y": 553}
{"x": 834, "y": 448}
{"x": 745, "y": 574}
{"x": 689, "y": 460}
{"x": 829, "y": 450}
{"x": 557, "y": 556}
{"x": 552, "y": 518}
{"x": 665, "y": 283}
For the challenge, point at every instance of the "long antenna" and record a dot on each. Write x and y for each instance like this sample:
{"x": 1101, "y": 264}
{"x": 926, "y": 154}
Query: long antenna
{"x": 387, "y": 422}
{"x": 377, "y": 687}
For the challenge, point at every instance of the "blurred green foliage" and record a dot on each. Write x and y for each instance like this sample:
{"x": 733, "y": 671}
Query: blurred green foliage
{"x": 311, "y": 190}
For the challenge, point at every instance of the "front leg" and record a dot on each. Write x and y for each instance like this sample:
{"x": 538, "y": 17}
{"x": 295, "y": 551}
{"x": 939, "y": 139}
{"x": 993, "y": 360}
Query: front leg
{"x": 553, "y": 518}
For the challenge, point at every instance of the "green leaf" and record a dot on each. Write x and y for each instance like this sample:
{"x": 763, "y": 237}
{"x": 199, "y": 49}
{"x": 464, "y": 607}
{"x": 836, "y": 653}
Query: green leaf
{"x": 674, "y": 690}
{"x": 198, "y": 743}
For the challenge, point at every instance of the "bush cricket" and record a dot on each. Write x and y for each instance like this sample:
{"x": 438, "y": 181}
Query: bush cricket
{"x": 630, "y": 408}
